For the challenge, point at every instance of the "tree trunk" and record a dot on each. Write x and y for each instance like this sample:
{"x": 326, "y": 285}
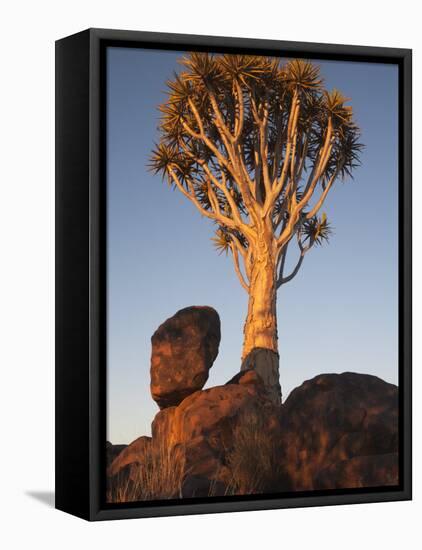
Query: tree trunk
{"x": 260, "y": 347}
{"x": 261, "y": 322}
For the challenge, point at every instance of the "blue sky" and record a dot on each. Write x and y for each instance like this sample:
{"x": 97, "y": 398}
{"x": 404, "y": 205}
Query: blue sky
{"x": 341, "y": 311}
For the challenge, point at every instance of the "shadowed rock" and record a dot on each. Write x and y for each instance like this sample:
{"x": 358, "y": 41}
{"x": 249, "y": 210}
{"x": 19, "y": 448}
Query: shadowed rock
{"x": 203, "y": 425}
{"x": 112, "y": 451}
{"x": 334, "y": 418}
{"x": 183, "y": 350}
{"x": 266, "y": 363}
{"x": 210, "y": 412}
{"x": 248, "y": 376}
{"x": 360, "y": 471}
{"x": 130, "y": 457}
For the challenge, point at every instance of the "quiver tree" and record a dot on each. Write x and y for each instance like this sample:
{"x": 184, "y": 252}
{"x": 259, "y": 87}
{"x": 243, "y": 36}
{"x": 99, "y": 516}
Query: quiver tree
{"x": 256, "y": 146}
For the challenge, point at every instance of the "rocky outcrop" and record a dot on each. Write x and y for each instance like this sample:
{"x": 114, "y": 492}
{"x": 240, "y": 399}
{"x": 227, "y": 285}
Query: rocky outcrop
{"x": 360, "y": 471}
{"x": 204, "y": 425}
{"x": 112, "y": 451}
{"x": 183, "y": 350}
{"x": 341, "y": 430}
{"x": 334, "y": 431}
{"x": 209, "y": 412}
{"x": 130, "y": 458}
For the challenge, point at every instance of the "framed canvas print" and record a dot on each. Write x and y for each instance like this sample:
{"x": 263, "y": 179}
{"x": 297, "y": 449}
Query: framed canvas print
{"x": 233, "y": 323}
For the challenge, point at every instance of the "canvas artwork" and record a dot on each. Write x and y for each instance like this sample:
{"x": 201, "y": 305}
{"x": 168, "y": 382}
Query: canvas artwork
{"x": 252, "y": 275}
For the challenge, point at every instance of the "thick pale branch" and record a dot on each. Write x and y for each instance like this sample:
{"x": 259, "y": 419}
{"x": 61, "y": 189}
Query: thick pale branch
{"x": 244, "y": 170}
{"x": 293, "y": 182}
{"x": 213, "y": 198}
{"x": 221, "y": 125}
{"x": 203, "y": 137}
{"x": 278, "y": 146}
{"x": 254, "y": 108}
{"x": 321, "y": 165}
{"x": 320, "y": 171}
{"x": 243, "y": 251}
{"x": 243, "y": 227}
{"x": 303, "y": 250}
{"x": 321, "y": 199}
{"x": 284, "y": 280}
{"x": 291, "y": 130}
{"x": 263, "y": 148}
{"x": 226, "y": 192}
{"x": 237, "y": 267}
{"x": 282, "y": 260}
{"x": 248, "y": 262}
{"x": 230, "y": 166}
{"x": 280, "y": 218}
{"x": 257, "y": 189}
{"x": 302, "y": 159}
{"x": 240, "y": 120}
{"x": 216, "y": 216}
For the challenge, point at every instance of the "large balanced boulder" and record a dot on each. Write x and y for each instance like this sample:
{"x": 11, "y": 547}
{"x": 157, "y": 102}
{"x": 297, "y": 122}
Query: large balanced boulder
{"x": 183, "y": 350}
{"x": 341, "y": 430}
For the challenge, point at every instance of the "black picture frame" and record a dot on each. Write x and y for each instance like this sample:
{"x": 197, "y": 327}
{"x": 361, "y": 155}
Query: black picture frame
{"x": 81, "y": 274}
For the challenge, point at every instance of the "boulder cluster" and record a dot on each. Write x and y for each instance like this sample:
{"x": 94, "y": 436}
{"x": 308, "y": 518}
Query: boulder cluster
{"x": 334, "y": 431}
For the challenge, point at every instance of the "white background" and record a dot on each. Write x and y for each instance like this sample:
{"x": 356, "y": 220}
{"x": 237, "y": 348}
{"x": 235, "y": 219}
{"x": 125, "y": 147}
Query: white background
{"x": 29, "y": 29}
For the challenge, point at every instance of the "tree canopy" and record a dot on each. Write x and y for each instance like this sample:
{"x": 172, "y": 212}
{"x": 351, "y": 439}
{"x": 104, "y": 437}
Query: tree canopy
{"x": 256, "y": 145}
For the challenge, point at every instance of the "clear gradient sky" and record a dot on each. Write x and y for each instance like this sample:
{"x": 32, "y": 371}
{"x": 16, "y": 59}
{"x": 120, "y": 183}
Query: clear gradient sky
{"x": 341, "y": 311}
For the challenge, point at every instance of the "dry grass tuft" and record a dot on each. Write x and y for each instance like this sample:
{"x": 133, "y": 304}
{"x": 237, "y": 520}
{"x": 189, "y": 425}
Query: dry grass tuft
{"x": 159, "y": 477}
{"x": 254, "y": 459}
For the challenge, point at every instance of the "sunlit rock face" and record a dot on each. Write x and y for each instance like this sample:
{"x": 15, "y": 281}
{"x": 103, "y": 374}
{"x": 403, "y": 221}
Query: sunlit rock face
{"x": 340, "y": 431}
{"x": 183, "y": 350}
{"x": 207, "y": 427}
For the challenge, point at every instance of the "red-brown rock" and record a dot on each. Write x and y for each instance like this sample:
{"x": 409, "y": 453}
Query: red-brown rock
{"x": 333, "y": 418}
{"x": 360, "y": 471}
{"x": 130, "y": 457}
{"x": 204, "y": 427}
{"x": 334, "y": 431}
{"x": 183, "y": 350}
{"x": 112, "y": 451}
{"x": 212, "y": 412}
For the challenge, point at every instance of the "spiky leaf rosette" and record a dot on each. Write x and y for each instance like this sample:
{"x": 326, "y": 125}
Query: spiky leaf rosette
{"x": 316, "y": 230}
